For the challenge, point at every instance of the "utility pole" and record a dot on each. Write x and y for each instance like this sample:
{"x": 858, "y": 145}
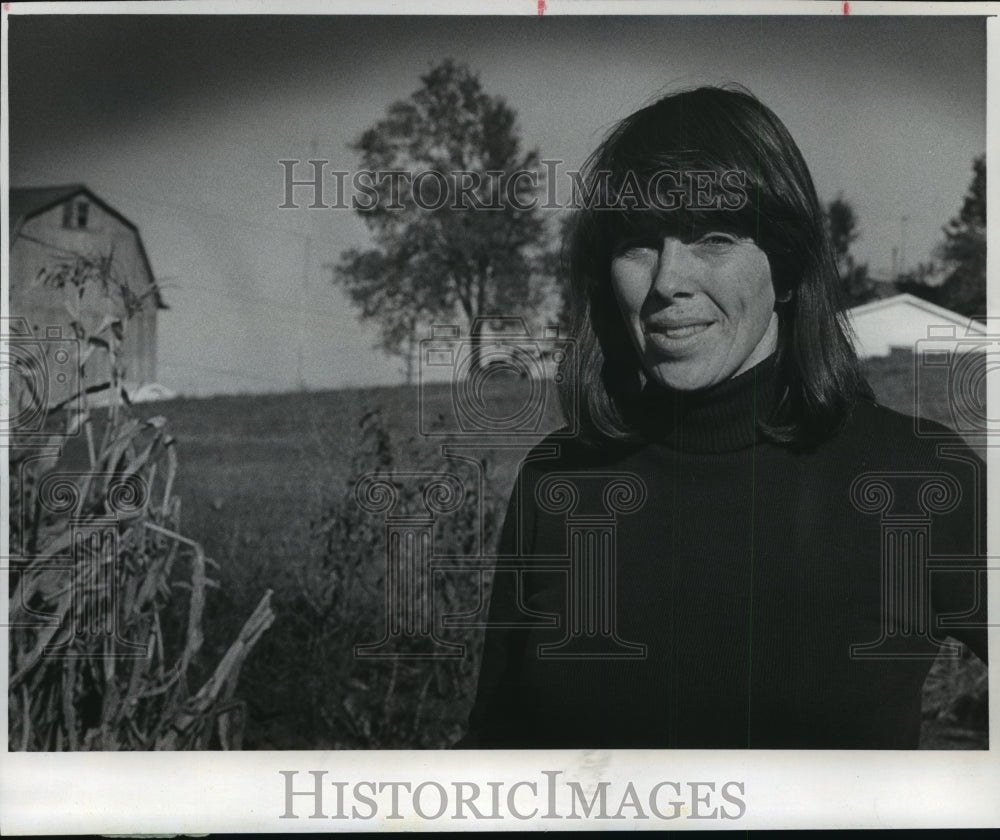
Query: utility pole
{"x": 902, "y": 243}
{"x": 300, "y": 378}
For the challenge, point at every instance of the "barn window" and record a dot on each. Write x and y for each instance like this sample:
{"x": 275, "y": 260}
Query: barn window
{"x": 75, "y": 213}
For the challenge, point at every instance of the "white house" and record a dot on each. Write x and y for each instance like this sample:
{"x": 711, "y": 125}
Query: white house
{"x": 901, "y": 321}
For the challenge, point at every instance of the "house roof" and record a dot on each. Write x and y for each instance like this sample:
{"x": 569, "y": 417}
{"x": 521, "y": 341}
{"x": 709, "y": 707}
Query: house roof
{"x": 906, "y": 299}
{"x": 27, "y": 202}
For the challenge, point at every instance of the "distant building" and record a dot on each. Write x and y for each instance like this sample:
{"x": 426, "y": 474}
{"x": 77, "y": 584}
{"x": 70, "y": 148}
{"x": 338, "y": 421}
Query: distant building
{"x": 52, "y": 227}
{"x": 899, "y": 322}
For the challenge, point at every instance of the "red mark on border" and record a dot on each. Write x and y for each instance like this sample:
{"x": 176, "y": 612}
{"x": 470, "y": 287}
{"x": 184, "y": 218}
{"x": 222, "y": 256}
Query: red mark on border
{"x": 847, "y": 7}
{"x": 6, "y": 7}
{"x": 541, "y": 7}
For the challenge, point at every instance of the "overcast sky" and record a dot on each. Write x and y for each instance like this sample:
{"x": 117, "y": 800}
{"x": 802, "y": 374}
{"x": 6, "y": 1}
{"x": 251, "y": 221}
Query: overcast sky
{"x": 179, "y": 123}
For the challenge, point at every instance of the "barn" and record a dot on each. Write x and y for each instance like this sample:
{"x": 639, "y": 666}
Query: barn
{"x": 898, "y": 323}
{"x": 74, "y": 257}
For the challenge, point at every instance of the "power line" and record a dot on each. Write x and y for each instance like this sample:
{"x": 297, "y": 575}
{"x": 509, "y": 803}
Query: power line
{"x": 180, "y": 205}
{"x": 304, "y": 238}
{"x": 236, "y": 374}
{"x": 300, "y": 315}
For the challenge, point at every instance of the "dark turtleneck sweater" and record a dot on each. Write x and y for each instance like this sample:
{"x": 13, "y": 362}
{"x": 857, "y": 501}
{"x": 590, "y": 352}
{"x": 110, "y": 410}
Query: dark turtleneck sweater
{"x": 749, "y": 574}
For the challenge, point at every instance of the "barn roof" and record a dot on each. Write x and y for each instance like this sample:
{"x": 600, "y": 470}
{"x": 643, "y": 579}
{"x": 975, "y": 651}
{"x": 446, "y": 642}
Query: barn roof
{"x": 907, "y": 300}
{"x": 27, "y": 202}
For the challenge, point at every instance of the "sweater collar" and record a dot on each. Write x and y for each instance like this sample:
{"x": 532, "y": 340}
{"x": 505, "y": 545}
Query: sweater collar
{"x": 722, "y": 418}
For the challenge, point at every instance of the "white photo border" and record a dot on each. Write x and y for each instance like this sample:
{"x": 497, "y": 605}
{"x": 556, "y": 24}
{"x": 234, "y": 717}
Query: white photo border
{"x": 142, "y": 793}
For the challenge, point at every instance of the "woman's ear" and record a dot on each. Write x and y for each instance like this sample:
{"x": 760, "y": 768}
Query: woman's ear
{"x": 785, "y": 296}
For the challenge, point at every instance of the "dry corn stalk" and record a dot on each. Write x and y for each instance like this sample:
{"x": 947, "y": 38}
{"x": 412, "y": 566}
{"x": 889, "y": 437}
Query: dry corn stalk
{"x": 107, "y": 597}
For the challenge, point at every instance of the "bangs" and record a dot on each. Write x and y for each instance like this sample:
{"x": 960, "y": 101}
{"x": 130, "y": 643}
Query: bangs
{"x": 686, "y": 194}
{"x": 689, "y": 168}
{"x": 685, "y": 223}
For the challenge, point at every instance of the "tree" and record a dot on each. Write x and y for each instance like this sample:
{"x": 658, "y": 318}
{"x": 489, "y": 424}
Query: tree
{"x": 964, "y": 250}
{"x": 959, "y": 281}
{"x": 920, "y": 282}
{"x": 842, "y": 223}
{"x": 455, "y": 226}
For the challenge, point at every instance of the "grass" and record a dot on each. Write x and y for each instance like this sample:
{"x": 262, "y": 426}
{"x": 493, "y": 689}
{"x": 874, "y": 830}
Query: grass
{"x": 264, "y": 480}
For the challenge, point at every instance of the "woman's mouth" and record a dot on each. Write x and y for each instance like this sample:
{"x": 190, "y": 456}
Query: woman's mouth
{"x": 666, "y": 336}
{"x": 682, "y": 331}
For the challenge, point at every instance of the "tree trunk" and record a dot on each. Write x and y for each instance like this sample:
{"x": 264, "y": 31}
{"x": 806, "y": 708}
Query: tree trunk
{"x": 411, "y": 348}
{"x": 476, "y": 344}
{"x": 476, "y": 334}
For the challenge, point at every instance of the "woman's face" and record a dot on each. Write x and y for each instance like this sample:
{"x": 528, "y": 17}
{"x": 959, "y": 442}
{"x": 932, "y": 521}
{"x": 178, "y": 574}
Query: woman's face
{"x": 699, "y": 310}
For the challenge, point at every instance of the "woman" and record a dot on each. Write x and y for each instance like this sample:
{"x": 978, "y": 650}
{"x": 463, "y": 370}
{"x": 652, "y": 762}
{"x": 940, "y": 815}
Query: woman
{"x": 711, "y": 562}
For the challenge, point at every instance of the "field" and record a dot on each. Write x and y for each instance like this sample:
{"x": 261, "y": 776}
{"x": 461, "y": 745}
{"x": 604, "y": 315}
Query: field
{"x": 266, "y": 487}
{"x": 266, "y": 482}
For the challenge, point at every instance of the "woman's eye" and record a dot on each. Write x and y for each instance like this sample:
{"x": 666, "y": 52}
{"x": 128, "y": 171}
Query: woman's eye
{"x": 717, "y": 239}
{"x": 631, "y": 246}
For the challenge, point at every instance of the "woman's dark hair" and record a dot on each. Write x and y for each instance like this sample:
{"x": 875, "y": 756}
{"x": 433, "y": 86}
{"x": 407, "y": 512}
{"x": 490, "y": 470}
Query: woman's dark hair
{"x": 715, "y": 132}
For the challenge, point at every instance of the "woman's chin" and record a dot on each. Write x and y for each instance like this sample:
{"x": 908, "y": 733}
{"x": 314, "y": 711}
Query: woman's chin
{"x": 685, "y": 374}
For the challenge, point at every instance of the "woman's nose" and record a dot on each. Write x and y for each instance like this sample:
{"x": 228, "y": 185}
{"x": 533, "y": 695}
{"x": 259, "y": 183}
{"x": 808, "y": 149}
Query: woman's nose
{"x": 676, "y": 270}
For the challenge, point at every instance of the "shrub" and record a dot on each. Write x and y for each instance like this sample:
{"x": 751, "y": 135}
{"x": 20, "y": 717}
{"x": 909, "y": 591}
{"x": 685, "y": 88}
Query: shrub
{"x": 343, "y": 700}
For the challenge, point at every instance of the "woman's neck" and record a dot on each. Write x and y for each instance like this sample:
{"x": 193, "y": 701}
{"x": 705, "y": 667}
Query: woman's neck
{"x": 721, "y": 418}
